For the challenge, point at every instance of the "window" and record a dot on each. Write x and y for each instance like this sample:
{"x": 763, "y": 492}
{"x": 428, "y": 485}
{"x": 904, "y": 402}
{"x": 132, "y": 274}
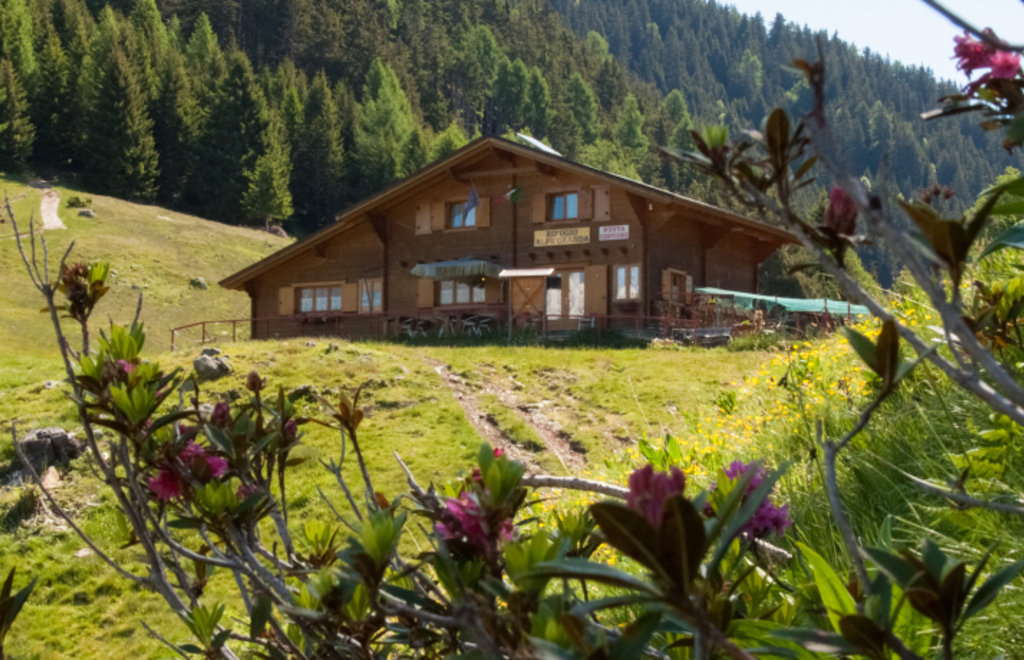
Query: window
{"x": 565, "y": 206}
{"x": 461, "y": 293}
{"x": 627, "y": 282}
{"x": 371, "y": 296}
{"x": 320, "y": 299}
{"x": 447, "y": 292}
{"x": 458, "y": 218}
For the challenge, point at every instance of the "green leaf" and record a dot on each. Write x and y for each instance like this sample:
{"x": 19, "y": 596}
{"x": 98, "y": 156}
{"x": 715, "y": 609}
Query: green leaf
{"x": 818, "y": 641}
{"x": 681, "y": 541}
{"x": 862, "y": 346}
{"x": 628, "y": 532}
{"x": 1011, "y": 238}
{"x": 833, "y": 591}
{"x": 863, "y": 633}
{"x": 897, "y": 568}
{"x": 1015, "y": 131}
{"x": 1010, "y": 208}
{"x": 262, "y": 609}
{"x": 635, "y": 637}
{"x": 987, "y": 592}
{"x": 582, "y": 569}
{"x": 586, "y": 607}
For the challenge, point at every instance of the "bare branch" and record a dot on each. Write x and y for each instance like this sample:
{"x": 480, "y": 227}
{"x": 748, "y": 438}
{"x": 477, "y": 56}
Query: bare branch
{"x": 836, "y": 503}
{"x": 987, "y": 37}
{"x": 575, "y": 483}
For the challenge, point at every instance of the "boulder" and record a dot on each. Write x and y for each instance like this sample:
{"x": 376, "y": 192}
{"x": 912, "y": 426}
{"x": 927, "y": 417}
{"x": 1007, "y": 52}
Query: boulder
{"x": 87, "y": 213}
{"x": 277, "y": 230}
{"x": 198, "y": 283}
{"x": 49, "y": 446}
{"x": 209, "y": 367}
{"x": 51, "y": 384}
{"x": 211, "y": 351}
{"x": 205, "y": 411}
{"x": 310, "y": 344}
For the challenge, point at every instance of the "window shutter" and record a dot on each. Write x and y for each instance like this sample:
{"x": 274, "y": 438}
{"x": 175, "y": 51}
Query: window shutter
{"x": 425, "y": 293}
{"x": 437, "y": 219}
{"x": 540, "y": 207}
{"x": 286, "y": 300}
{"x": 492, "y": 288}
{"x": 602, "y": 204}
{"x": 585, "y": 203}
{"x": 483, "y": 212}
{"x": 423, "y": 218}
{"x": 350, "y": 297}
{"x": 666, "y": 284}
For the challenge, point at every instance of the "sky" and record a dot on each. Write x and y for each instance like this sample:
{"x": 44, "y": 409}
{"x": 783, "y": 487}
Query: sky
{"x": 908, "y": 31}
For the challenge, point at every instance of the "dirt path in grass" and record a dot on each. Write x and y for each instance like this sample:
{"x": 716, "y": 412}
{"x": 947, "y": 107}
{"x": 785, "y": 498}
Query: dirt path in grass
{"x": 49, "y": 206}
{"x": 555, "y": 439}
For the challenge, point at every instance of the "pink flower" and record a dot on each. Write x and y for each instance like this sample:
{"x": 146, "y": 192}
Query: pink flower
{"x": 972, "y": 53}
{"x": 290, "y": 430}
{"x": 127, "y": 366}
{"x": 221, "y": 415}
{"x": 463, "y": 519}
{"x": 1004, "y": 64}
{"x": 769, "y": 517}
{"x": 841, "y": 215}
{"x": 194, "y": 456}
{"x": 499, "y": 452}
{"x": 245, "y": 492}
{"x": 167, "y": 485}
{"x": 649, "y": 490}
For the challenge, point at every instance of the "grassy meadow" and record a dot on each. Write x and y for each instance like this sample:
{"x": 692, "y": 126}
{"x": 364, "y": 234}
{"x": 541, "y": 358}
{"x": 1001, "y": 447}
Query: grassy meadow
{"x": 596, "y": 403}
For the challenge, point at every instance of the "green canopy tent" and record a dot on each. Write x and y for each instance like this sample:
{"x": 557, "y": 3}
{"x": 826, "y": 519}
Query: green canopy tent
{"x": 746, "y": 301}
{"x": 466, "y": 269}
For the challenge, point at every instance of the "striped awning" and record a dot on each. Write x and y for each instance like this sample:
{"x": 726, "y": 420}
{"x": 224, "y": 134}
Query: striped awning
{"x": 458, "y": 269}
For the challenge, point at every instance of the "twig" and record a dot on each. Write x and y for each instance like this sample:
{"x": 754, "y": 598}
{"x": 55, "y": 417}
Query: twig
{"x": 166, "y": 643}
{"x": 836, "y": 503}
{"x": 575, "y": 483}
{"x": 988, "y": 38}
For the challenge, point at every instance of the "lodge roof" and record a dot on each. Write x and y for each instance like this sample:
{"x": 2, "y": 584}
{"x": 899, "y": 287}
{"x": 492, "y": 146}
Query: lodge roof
{"x": 358, "y": 213}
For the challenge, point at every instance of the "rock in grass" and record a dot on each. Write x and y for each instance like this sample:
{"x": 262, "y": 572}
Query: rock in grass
{"x": 209, "y": 367}
{"x": 87, "y": 213}
{"x": 211, "y": 351}
{"x": 198, "y": 283}
{"x": 50, "y": 446}
{"x": 51, "y": 478}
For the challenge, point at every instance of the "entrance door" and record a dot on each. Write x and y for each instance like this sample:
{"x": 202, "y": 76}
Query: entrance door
{"x": 565, "y": 300}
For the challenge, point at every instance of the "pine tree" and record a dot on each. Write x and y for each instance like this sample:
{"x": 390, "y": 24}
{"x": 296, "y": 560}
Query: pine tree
{"x": 75, "y": 26}
{"x": 16, "y": 39}
{"x": 415, "y": 152}
{"x": 538, "y": 104}
{"x": 176, "y": 123}
{"x": 448, "y": 141}
{"x": 583, "y": 105}
{"x": 152, "y": 42}
{"x": 50, "y": 105}
{"x": 510, "y": 94}
{"x": 317, "y": 175}
{"x": 629, "y": 128}
{"x": 16, "y": 129}
{"x": 266, "y": 196}
{"x": 205, "y": 61}
{"x": 231, "y": 142}
{"x": 384, "y": 126}
{"x": 120, "y": 150}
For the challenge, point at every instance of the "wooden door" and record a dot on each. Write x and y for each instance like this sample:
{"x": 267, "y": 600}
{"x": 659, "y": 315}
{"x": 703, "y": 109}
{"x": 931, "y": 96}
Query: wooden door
{"x": 597, "y": 292}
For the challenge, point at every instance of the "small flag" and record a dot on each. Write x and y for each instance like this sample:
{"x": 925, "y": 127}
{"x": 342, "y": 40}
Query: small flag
{"x": 473, "y": 201}
{"x": 510, "y": 196}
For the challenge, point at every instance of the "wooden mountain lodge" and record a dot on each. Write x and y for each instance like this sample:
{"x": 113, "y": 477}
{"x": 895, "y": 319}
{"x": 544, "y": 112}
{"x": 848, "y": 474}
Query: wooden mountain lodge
{"x": 498, "y": 232}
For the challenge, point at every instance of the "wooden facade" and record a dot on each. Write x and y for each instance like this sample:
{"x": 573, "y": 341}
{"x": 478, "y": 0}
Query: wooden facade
{"x": 617, "y": 248}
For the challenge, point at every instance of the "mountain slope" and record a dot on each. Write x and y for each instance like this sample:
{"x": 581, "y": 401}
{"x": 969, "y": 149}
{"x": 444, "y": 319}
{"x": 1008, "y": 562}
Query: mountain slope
{"x": 152, "y": 251}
